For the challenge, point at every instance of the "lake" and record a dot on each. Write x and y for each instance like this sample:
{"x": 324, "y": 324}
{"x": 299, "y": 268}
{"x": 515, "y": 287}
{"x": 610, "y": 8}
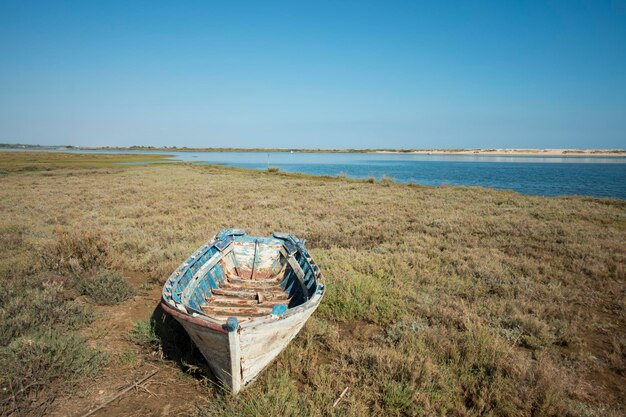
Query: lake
{"x": 535, "y": 175}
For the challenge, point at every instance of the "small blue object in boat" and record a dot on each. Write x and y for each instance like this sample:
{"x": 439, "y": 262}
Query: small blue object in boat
{"x": 279, "y": 309}
{"x": 231, "y": 324}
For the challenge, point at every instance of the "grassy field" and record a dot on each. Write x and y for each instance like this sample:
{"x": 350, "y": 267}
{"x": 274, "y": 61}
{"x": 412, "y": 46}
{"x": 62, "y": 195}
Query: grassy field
{"x": 21, "y": 161}
{"x": 450, "y": 301}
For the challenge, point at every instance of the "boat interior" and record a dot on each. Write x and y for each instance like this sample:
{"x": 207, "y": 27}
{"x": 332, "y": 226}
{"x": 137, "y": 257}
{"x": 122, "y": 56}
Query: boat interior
{"x": 246, "y": 277}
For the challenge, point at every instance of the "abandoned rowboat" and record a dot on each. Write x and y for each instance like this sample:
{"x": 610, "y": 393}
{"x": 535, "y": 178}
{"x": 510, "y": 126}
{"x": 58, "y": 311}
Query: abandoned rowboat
{"x": 242, "y": 299}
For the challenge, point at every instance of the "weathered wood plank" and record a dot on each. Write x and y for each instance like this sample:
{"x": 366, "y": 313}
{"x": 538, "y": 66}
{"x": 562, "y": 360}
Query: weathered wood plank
{"x": 251, "y": 294}
{"x": 237, "y": 310}
{"x": 224, "y": 301}
{"x": 251, "y": 286}
{"x": 257, "y": 282}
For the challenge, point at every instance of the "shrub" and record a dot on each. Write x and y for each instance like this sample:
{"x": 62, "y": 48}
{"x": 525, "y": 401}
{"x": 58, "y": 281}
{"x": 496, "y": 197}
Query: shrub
{"x": 106, "y": 287}
{"x": 35, "y": 369}
{"x": 76, "y": 252}
{"x": 397, "y": 399}
{"x": 29, "y": 309}
{"x": 272, "y": 169}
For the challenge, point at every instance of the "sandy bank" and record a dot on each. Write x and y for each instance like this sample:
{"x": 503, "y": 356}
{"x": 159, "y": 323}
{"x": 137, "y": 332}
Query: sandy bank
{"x": 516, "y": 152}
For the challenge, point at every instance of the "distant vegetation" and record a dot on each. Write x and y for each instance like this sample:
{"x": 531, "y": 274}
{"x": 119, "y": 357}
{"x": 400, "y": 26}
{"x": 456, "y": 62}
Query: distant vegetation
{"x": 316, "y": 150}
{"x": 455, "y": 301}
{"x": 48, "y": 161}
{"x": 211, "y": 149}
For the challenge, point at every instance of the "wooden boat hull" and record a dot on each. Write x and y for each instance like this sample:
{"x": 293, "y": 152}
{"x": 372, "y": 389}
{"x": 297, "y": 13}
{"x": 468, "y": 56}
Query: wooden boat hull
{"x": 237, "y": 351}
{"x": 237, "y": 358}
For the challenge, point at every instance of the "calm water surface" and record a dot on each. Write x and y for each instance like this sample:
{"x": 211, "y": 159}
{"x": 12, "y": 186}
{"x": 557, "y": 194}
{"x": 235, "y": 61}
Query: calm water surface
{"x": 536, "y": 175}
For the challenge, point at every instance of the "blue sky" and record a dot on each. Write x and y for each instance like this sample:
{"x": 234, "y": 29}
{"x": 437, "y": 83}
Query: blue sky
{"x": 314, "y": 74}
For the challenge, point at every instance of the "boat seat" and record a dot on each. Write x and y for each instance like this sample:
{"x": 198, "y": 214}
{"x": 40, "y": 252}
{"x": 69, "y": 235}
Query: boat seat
{"x": 244, "y": 298}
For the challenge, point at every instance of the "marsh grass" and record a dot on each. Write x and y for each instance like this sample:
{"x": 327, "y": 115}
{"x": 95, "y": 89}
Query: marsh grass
{"x": 441, "y": 301}
{"x": 76, "y": 252}
{"x": 39, "y": 308}
{"x": 83, "y": 257}
{"x": 16, "y": 162}
{"x": 105, "y": 287}
{"x": 33, "y": 366}
{"x": 39, "y": 302}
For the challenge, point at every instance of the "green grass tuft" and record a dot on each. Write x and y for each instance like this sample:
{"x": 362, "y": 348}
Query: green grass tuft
{"x": 397, "y": 399}
{"x": 143, "y": 334}
{"x": 128, "y": 357}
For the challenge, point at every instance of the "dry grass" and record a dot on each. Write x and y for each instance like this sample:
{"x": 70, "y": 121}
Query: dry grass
{"x": 441, "y": 301}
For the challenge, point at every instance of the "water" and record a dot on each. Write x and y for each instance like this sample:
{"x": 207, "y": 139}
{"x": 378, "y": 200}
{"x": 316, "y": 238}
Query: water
{"x": 535, "y": 175}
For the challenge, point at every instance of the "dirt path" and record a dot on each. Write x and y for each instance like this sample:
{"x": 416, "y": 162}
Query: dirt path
{"x": 169, "y": 392}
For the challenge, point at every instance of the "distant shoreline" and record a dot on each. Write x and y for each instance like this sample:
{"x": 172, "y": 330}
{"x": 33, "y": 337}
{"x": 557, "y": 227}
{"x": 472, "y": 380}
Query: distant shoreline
{"x": 483, "y": 151}
{"x": 517, "y": 152}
